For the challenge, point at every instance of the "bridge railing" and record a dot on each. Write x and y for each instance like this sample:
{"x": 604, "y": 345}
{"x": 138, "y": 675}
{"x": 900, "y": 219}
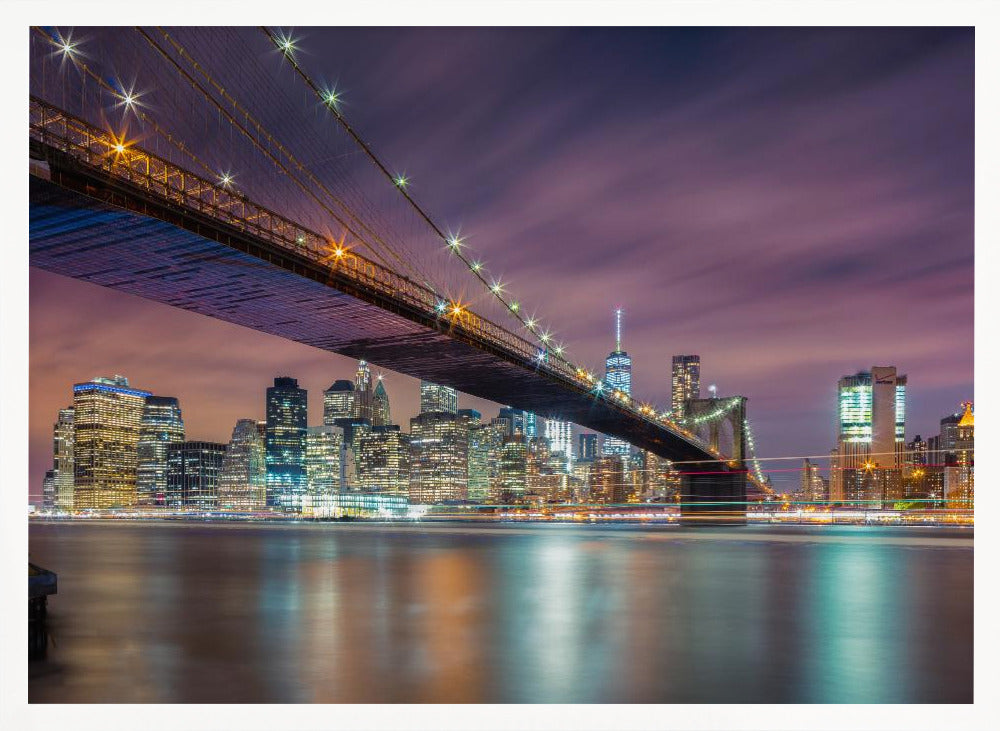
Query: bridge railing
{"x": 123, "y": 160}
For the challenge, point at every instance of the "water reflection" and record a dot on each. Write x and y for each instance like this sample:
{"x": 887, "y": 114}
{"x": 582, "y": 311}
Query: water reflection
{"x": 333, "y": 614}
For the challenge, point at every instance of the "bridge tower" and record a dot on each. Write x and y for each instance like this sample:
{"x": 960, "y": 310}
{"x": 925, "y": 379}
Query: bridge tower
{"x": 715, "y": 495}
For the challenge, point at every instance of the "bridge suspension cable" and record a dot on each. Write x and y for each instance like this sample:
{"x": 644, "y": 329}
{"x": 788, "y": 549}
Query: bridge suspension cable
{"x": 287, "y": 48}
{"x": 262, "y": 148}
{"x": 382, "y": 248}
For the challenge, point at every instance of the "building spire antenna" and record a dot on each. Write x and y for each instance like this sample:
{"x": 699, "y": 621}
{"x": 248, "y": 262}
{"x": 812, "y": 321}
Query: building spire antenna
{"x": 618, "y": 330}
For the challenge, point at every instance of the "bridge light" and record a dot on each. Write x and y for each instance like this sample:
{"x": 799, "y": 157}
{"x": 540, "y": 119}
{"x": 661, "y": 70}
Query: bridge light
{"x": 476, "y": 266}
{"x": 496, "y": 287}
{"x": 441, "y": 306}
{"x": 339, "y": 252}
{"x": 514, "y": 306}
{"x": 332, "y": 97}
{"x": 286, "y": 44}
{"x": 401, "y": 181}
{"x": 226, "y": 179}
{"x": 559, "y": 350}
{"x": 300, "y": 240}
{"x": 545, "y": 337}
{"x": 455, "y": 243}
{"x": 66, "y": 47}
{"x": 119, "y": 148}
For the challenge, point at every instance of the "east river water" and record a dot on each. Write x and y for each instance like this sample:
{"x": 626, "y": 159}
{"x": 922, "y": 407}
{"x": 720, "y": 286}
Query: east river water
{"x": 486, "y": 613}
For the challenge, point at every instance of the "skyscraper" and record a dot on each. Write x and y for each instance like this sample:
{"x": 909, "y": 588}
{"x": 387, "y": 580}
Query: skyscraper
{"x": 324, "y": 464}
{"x": 512, "y": 470}
{"x": 161, "y": 426}
{"x": 381, "y": 415}
{"x": 439, "y": 453}
{"x": 62, "y": 459}
{"x": 338, "y": 403}
{"x": 530, "y": 424}
{"x": 512, "y": 421}
{"x": 286, "y": 444}
{"x": 959, "y": 479}
{"x": 870, "y": 439}
{"x": 685, "y": 382}
{"x": 607, "y": 480}
{"x": 618, "y": 377}
{"x": 435, "y": 398}
{"x": 243, "y": 477}
{"x": 560, "y": 437}
{"x": 107, "y": 414}
{"x": 363, "y": 395}
{"x": 193, "y": 475}
{"x": 812, "y": 487}
{"x": 383, "y": 460}
{"x": 49, "y": 490}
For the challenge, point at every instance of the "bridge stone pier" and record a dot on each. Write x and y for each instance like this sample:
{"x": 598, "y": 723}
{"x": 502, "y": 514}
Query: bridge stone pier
{"x": 710, "y": 498}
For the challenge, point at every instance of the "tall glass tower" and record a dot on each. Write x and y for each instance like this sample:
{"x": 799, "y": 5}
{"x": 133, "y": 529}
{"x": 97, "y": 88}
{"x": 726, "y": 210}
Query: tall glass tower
{"x": 381, "y": 415}
{"x": 685, "y": 381}
{"x": 560, "y": 437}
{"x": 62, "y": 459}
{"x": 286, "y": 444}
{"x": 107, "y": 415}
{"x": 161, "y": 426}
{"x": 618, "y": 377}
{"x": 244, "y": 471}
{"x": 871, "y": 427}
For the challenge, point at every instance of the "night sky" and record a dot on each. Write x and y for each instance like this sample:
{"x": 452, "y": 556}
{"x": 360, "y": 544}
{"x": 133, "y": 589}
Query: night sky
{"x": 791, "y": 204}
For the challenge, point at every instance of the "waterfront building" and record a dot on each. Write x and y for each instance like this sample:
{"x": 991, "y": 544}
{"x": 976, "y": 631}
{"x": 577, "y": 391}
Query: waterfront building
{"x": 380, "y": 405}
{"x": 870, "y": 439}
{"x": 338, "y": 403}
{"x": 371, "y": 505}
{"x": 812, "y": 487}
{"x": 959, "y": 478}
{"x": 916, "y": 473}
{"x": 243, "y": 475}
{"x": 491, "y": 437}
{"x": 588, "y": 446}
{"x": 193, "y": 470}
{"x": 285, "y": 444}
{"x": 437, "y": 399}
{"x": 161, "y": 426}
{"x": 637, "y": 476}
{"x": 559, "y": 435}
{"x": 685, "y": 382}
{"x": 479, "y": 445}
{"x": 49, "y": 490}
{"x": 383, "y": 460}
{"x": 107, "y": 415}
{"x": 62, "y": 460}
{"x": 607, "y": 480}
{"x": 617, "y": 378}
{"x": 512, "y": 470}
{"x": 439, "y": 453}
{"x": 324, "y": 462}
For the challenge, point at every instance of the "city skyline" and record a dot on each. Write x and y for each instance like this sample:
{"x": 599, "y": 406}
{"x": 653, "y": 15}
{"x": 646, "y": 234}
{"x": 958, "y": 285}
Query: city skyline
{"x": 788, "y": 235}
{"x": 442, "y": 401}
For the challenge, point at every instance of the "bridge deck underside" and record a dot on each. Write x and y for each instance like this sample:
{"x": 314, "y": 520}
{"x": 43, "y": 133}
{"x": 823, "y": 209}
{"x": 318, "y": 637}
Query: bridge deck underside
{"x": 79, "y": 236}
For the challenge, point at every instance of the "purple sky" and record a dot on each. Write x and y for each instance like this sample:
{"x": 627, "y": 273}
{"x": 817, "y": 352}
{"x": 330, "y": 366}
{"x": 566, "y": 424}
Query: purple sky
{"x": 791, "y": 204}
